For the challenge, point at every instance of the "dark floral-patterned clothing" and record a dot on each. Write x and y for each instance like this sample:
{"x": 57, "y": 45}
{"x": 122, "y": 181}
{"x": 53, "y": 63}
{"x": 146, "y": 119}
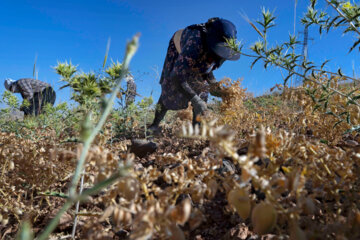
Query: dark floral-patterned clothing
{"x": 194, "y": 64}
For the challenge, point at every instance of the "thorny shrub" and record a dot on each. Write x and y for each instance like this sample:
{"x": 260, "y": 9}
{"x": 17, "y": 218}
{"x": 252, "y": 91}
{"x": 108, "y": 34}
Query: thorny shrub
{"x": 333, "y": 120}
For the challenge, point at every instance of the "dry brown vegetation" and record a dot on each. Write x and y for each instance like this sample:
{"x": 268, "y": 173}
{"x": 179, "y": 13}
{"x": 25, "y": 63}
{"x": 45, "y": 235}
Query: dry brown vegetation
{"x": 272, "y": 170}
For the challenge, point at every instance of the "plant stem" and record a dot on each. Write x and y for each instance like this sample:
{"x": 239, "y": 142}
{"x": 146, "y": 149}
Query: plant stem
{"x": 317, "y": 70}
{"x": 54, "y": 222}
{"x": 53, "y": 194}
{"x": 308, "y": 79}
{"x": 78, "y": 206}
{"x": 73, "y": 197}
{"x": 129, "y": 53}
{"x": 334, "y": 73}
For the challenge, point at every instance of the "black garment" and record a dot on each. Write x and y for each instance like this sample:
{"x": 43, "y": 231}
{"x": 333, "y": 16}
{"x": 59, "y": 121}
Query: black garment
{"x": 39, "y": 100}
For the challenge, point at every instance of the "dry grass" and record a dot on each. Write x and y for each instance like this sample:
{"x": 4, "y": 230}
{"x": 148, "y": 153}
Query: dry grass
{"x": 291, "y": 174}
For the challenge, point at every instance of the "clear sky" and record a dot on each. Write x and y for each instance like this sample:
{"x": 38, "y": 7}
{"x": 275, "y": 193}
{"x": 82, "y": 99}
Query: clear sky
{"x": 78, "y": 30}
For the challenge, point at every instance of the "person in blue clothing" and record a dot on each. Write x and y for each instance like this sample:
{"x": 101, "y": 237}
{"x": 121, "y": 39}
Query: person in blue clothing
{"x": 192, "y": 56}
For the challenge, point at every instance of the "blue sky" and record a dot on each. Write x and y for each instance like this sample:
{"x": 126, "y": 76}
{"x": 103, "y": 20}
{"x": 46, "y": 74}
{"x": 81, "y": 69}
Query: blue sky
{"x": 78, "y": 31}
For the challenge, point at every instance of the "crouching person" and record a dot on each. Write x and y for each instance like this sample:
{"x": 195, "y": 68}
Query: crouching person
{"x": 192, "y": 56}
{"x": 36, "y": 92}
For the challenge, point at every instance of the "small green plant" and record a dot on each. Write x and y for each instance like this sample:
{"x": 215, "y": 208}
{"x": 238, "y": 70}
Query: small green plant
{"x": 144, "y": 106}
{"x": 233, "y": 44}
{"x": 65, "y": 69}
{"x": 58, "y": 117}
{"x": 55, "y": 117}
{"x": 10, "y": 100}
{"x": 114, "y": 70}
{"x": 89, "y": 89}
{"x": 127, "y": 118}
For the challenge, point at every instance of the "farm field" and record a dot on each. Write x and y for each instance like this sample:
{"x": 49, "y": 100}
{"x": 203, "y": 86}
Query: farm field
{"x": 284, "y": 164}
{"x": 304, "y": 178}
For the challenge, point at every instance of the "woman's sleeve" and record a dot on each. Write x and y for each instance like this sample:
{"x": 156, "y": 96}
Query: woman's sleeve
{"x": 210, "y": 78}
{"x": 25, "y": 89}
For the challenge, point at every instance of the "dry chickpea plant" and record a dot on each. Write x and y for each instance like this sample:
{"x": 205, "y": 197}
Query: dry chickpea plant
{"x": 281, "y": 166}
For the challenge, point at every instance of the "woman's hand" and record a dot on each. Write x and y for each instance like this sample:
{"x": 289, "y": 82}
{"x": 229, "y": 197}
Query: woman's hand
{"x": 198, "y": 104}
{"x": 216, "y": 90}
